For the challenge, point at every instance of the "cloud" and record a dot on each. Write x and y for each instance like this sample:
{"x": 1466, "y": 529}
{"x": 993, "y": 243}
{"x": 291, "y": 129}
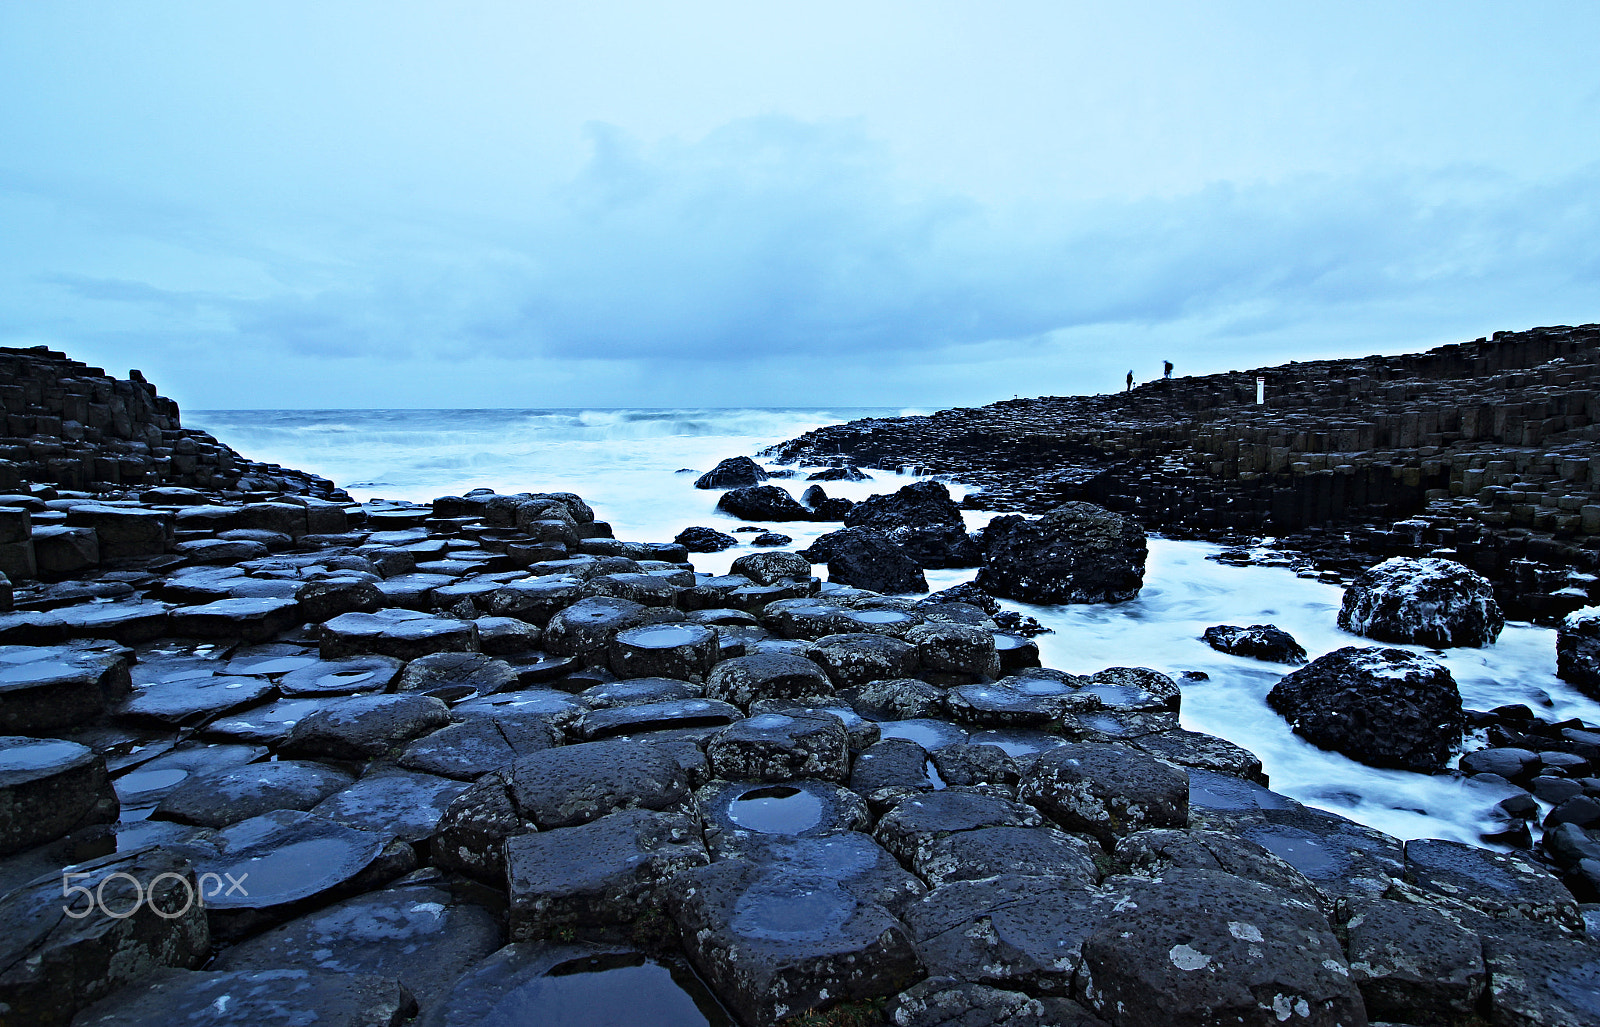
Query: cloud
{"x": 775, "y": 238}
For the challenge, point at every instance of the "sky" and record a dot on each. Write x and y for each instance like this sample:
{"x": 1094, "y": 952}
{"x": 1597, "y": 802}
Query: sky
{"x": 519, "y": 204}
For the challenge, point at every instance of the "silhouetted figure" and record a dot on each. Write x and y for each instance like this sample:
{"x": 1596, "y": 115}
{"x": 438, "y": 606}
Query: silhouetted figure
{"x": 1130, "y": 381}
{"x": 1167, "y": 367}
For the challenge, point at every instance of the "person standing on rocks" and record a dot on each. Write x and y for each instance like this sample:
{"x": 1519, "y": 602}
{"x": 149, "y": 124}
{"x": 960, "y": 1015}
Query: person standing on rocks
{"x": 1130, "y": 381}
{"x": 1166, "y": 365}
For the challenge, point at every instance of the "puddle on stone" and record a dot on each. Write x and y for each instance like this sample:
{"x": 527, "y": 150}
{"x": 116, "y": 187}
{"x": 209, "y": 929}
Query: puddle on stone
{"x": 778, "y": 809}
{"x": 1116, "y": 695}
{"x": 1300, "y": 849}
{"x": 622, "y": 989}
{"x": 791, "y": 910}
{"x": 664, "y": 636}
{"x": 294, "y": 869}
{"x": 1210, "y": 790}
{"x": 1017, "y": 743}
{"x": 134, "y": 787}
{"x": 881, "y": 617}
{"x": 40, "y": 754}
{"x": 930, "y": 734}
{"x": 1103, "y": 723}
{"x": 1042, "y": 686}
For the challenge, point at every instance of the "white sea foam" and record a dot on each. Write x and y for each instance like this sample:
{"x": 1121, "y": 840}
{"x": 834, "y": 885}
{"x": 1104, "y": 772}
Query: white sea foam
{"x": 625, "y": 463}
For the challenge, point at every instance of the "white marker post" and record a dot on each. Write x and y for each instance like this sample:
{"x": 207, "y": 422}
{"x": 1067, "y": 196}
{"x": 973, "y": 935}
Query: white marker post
{"x": 1261, "y": 391}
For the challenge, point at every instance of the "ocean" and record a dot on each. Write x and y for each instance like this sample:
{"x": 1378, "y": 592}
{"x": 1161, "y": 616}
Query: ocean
{"x": 637, "y": 468}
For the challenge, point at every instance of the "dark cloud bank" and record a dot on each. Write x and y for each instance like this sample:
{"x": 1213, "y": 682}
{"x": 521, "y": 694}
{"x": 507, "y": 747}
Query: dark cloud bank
{"x": 773, "y": 238}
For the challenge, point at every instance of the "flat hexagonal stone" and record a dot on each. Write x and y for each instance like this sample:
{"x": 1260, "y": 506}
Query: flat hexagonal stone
{"x": 1117, "y": 725}
{"x": 1496, "y": 883}
{"x": 910, "y": 829}
{"x": 1203, "y": 752}
{"x": 857, "y": 658}
{"x": 1411, "y": 962}
{"x": 412, "y": 591}
{"x": 226, "y": 797}
{"x": 1341, "y": 857}
{"x": 253, "y": 998}
{"x": 366, "y": 726}
{"x": 1134, "y": 688}
{"x": 742, "y": 816}
{"x": 608, "y": 871}
{"x": 462, "y": 673}
{"x": 1105, "y": 790}
{"x": 1538, "y": 975}
{"x": 588, "y": 625}
{"x": 254, "y": 620}
{"x": 272, "y": 658}
{"x": 655, "y": 716}
{"x": 808, "y": 928}
{"x": 173, "y": 702}
{"x": 480, "y": 743}
{"x": 264, "y": 725}
{"x": 683, "y": 650}
{"x": 341, "y": 677}
{"x": 49, "y": 787}
{"x": 417, "y": 933}
{"x": 780, "y": 747}
{"x": 559, "y": 709}
{"x": 574, "y": 784}
{"x": 576, "y": 986}
{"x": 279, "y": 858}
{"x": 127, "y": 622}
{"x": 1151, "y": 853}
{"x": 403, "y": 634}
{"x": 46, "y": 688}
{"x": 148, "y": 782}
{"x": 389, "y": 801}
{"x": 1200, "y": 946}
{"x": 992, "y": 851}
{"x": 1012, "y": 702}
{"x": 747, "y": 679}
{"x": 53, "y": 964}
{"x": 216, "y": 550}
{"x": 925, "y": 731}
{"x": 860, "y": 731}
{"x": 639, "y": 690}
{"x": 1014, "y": 932}
{"x": 892, "y": 769}
{"x": 948, "y": 1002}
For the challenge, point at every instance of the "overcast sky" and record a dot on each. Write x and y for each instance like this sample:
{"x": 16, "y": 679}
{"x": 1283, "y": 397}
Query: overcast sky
{"x": 660, "y": 204}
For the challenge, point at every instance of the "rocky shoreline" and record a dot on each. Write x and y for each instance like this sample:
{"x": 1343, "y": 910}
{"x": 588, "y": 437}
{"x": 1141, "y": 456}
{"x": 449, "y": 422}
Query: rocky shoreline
{"x": 271, "y": 753}
{"x": 1488, "y": 450}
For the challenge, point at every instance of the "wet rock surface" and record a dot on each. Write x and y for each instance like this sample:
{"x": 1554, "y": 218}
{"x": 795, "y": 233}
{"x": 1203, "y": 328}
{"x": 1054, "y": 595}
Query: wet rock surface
{"x": 1383, "y": 707}
{"x": 412, "y": 733}
{"x": 1076, "y": 553}
{"x": 1430, "y": 602}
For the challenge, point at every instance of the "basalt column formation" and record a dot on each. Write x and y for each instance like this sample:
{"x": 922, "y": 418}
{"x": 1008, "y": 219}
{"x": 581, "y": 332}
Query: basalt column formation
{"x": 1488, "y": 451}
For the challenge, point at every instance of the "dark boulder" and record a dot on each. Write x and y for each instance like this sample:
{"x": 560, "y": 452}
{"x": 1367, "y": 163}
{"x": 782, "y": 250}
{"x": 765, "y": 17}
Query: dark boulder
{"x": 823, "y": 507}
{"x": 938, "y": 546}
{"x": 1076, "y": 553}
{"x": 732, "y": 473}
{"x": 867, "y": 559}
{"x": 848, "y": 473}
{"x": 1427, "y": 602}
{"x": 1258, "y": 641}
{"x": 1381, "y": 707}
{"x": 1578, "y": 651}
{"x": 923, "y": 502}
{"x": 762, "y": 503}
{"x": 705, "y": 540}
